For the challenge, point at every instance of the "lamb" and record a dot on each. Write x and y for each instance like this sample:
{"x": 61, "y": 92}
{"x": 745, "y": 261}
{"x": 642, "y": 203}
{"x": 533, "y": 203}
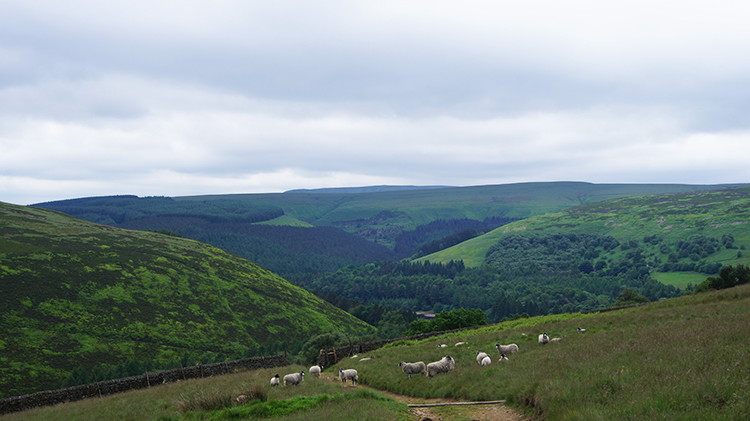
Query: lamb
{"x": 366, "y": 359}
{"x": 543, "y": 339}
{"x": 294, "y": 378}
{"x": 460, "y": 343}
{"x": 350, "y": 374}
{"x": 581, "y": 330}
{"x": 507, "y": 349}
{"x": 480, "y": 356}
{"x": 486, "y": 361}
{"x": 412, "y": 368}
{"x": 503, "y": 358}
{"x": 445, "y": 365}
{"x": 275, "y": 380}
{"x": 315, "y": 370}
{"x": 442, "y": 346}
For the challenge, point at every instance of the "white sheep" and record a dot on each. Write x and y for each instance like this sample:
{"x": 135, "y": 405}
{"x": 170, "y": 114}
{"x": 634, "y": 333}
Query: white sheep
{"x": 555, "y": 339}
{"x": 275, "y": 380}
{"x": 503, "y": 358}
{"x": 315, "y": 370}
{"x": 486, "y": 361}
{"x": 366, "y": 359}
{"x": 350, "y": 374}
{"x": 507, "y": 349}
{"x": 543, "y": 339}
{"x": 581, "y": 330}
{"x": 412, "y": 368}
{"x": 480, "y": 356}
{"x": 460, "y": 343}
{"x": 445, "y": 365}
{"x": 442, "y": 346}
{"x": 294, "y": 378}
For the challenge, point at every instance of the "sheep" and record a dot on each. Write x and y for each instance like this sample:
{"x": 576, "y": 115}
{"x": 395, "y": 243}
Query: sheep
{"x": 315, "y": 370}
{"x": 543, "y": 339}
{"x": 486, "y": 361}
{"x": 555, "y": 339}
{"x": 275, "y": 380}
{"x": 412, "y": 368}
{"x": 460, "y": 343}
{"x": 294, "y": 378}
{"x": 581, "y": 330}
{"x": 507, "y": 349}
{"x": 442, "y": 346}
{"x": 445, "y": 365}
{"x": 350, "y": 374}
{"x": 503, "y": 358}
{"x": 366, "y": 359}
{"x": 480, "y": 356}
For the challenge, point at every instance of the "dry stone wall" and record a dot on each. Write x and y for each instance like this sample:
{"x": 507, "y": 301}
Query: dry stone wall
{"x": 109, "y": 387}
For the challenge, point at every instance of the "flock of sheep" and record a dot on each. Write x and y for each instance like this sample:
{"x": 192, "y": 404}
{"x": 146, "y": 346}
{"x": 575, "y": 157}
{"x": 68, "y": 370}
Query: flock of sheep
{"x": 444, "y": 365}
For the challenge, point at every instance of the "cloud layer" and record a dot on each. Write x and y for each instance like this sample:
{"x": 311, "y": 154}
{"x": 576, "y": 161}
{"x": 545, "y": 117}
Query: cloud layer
{"x": 182, "y": 98}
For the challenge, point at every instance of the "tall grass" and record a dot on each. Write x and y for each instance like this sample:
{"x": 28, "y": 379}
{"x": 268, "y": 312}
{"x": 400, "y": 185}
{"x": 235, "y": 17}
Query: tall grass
{"x": 681, "y": 359}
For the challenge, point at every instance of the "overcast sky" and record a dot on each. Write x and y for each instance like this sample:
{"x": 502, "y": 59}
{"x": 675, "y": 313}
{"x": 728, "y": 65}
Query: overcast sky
{"x": 175, "y": 98}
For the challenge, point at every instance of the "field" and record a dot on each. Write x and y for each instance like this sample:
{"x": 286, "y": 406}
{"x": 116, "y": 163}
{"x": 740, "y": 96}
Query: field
{"x": 679, "y": 359}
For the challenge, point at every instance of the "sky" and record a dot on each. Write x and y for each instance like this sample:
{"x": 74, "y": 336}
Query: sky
{"x": 178, "y": 98}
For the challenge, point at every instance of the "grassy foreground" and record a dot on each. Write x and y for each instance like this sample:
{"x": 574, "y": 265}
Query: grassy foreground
{"x": 681, "y": 359}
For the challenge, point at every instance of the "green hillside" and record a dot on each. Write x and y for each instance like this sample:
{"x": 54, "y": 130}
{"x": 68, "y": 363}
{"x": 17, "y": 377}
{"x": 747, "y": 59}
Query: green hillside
{"x": 79, "y": 294}
{"x": 677, "y": 359}
{"x": 657, "y": 224}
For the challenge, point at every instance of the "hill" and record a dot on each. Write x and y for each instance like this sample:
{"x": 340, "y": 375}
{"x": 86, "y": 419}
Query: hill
{"x": 75, "y": 294}
{"x": 679, "y": 232}
{"x": 396, "y": 221}
{"x": 678, "y": 359}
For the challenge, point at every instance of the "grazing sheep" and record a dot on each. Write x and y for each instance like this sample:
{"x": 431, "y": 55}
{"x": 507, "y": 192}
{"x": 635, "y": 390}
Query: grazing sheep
{"x": 480, "y": 356}
{"x": 442, "y": 346}
{"x": 486, "y": 361}
{"x": 507, "y": 349}
{"x": 581, "y": 330}
{"x": 543, "y": 339}
{"x": 412, "y": 368}
{"x": 460, "y": 343}
{"x": 366, "y": 359}
{"x": 294, "y": 378}
{"x": 445, "y": 365}
{"x": 275, "y": 380}
{"x": 350, "y": 374}
{"x": 315, "y": 370}
{"x": 503, "y": 358}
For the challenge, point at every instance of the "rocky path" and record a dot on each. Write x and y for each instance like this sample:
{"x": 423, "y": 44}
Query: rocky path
{"x": 489, "y": 412}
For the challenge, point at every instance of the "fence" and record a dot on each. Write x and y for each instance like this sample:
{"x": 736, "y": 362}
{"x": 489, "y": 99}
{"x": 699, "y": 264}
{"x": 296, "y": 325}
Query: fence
{"x": 109, "y": 387}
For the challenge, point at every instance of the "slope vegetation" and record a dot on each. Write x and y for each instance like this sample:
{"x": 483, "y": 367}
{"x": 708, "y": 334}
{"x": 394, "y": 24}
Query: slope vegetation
{"x": 75, "y": 293}
{"x": 660, "y": 225}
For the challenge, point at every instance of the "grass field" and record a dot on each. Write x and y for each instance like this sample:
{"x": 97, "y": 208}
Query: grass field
{"x": 679, "y": 279}
{"x": 680, "y": 359}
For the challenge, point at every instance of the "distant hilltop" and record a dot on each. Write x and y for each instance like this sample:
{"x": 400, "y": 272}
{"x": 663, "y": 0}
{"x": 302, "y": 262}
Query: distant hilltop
{"x": 366, "y": 189}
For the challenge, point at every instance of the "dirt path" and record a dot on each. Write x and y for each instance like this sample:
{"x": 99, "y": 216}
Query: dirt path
{"x": 491, "y": 412}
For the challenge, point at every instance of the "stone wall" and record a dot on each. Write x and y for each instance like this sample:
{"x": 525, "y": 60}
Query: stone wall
{"x": 109, "y": 387}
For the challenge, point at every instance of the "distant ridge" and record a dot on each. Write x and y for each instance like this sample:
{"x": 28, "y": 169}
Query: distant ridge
{"x": 366, "y": 189}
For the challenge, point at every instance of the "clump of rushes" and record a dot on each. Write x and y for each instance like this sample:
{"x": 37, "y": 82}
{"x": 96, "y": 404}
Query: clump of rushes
{"x": 204, "y": 401}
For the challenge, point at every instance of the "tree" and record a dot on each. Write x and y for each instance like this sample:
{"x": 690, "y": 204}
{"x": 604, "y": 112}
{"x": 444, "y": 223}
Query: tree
{"x": 629, "y": 297}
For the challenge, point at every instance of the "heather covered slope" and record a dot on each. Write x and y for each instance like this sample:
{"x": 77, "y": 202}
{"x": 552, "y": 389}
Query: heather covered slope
{"x": 75, "y": 293}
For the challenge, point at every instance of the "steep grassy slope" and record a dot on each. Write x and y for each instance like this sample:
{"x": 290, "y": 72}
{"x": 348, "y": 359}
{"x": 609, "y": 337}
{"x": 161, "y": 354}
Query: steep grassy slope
{"x": 74, "y": 293}
{"x": 670, "y": 217}
{"x": 678, "y": 359}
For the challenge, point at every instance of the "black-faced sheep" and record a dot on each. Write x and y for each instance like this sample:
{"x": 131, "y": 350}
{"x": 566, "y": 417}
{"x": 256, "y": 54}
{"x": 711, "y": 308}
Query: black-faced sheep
{"x": 275, "y": 380}
{"x": 507, "y": 349}
{"x": 294, "y": 378}
{"x": 445, "y": 365}
{"x": 486, "y": 361}
{"x": 480, "y": 356}
{"x": 350, "y": 374}
{"x": 543, "y": 339}
{"x": 412, "y": 368}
